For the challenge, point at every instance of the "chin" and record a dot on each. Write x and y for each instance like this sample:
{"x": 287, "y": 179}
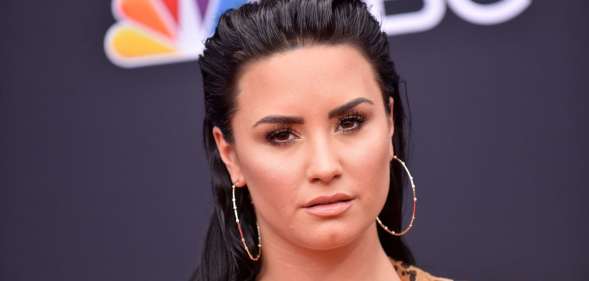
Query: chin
{"x": 329, "y": 236}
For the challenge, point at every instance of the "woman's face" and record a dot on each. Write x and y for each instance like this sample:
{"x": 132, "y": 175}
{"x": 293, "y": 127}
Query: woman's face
{"x": 310, "y": 122}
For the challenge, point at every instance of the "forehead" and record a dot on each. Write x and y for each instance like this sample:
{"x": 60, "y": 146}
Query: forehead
{"x": 306, "y": 78}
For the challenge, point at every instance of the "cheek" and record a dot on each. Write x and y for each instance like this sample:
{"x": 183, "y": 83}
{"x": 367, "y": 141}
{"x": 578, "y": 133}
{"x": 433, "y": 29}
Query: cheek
{"x": 368, "y": 163}
{"x": 370, "y": 155}
{"x": 272, "y": 179}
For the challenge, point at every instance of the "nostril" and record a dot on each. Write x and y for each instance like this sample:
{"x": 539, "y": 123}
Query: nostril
{"x": 325, "y": 177}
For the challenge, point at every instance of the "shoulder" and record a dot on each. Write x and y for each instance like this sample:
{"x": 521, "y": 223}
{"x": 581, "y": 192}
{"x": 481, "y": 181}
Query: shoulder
{"x": 409, "y": 272}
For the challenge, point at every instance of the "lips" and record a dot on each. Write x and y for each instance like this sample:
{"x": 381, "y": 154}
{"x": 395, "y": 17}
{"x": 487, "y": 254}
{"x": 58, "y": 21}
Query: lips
{"x": 329, "y": 206}
{"x": 328, "y": 199}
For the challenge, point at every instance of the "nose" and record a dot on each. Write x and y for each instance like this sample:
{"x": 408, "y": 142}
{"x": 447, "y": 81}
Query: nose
{"x": 324, "y": 161}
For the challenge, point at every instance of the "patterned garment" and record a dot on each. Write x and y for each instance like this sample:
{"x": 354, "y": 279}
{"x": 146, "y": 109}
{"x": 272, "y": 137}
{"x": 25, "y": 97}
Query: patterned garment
{"x": 408, "y": 272}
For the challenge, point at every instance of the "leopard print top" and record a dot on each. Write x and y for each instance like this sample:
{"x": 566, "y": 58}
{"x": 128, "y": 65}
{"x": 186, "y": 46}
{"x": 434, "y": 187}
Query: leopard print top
{"x": 408, "y": 272}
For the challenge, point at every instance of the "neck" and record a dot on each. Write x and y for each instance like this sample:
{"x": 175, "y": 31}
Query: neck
{"x": 362, "y": 259}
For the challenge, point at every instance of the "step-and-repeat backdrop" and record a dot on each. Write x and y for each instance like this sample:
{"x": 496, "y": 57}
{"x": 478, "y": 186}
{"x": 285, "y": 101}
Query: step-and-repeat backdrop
{"x": 103, "y": 175}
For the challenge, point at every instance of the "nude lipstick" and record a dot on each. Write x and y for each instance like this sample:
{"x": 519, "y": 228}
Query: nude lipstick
{"x": 329, "y": 205}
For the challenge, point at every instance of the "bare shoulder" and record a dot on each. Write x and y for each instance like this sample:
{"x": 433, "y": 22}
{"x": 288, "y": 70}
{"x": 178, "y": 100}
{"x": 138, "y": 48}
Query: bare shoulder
{"x": 409, "y": 272}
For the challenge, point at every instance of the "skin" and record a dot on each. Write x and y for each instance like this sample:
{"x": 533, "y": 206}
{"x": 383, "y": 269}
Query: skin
{"x": 320, "y": 155}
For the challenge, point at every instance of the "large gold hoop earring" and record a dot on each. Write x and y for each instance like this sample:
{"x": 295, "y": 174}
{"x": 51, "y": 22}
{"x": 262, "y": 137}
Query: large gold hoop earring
{"x": 402, "y": 232}
{"x": 247, "y": 250}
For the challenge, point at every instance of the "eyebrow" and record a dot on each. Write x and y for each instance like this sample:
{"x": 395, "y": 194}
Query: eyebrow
{"x": 340, "y": 110}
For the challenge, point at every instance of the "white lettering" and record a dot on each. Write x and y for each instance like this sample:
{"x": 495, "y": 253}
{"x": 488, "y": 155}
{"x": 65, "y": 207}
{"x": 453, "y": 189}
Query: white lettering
{"x": 433, "y": 12}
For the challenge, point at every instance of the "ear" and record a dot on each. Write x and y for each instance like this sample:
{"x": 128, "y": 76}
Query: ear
{"x": 391, "y": 126}
{"x": 229, "y": 157}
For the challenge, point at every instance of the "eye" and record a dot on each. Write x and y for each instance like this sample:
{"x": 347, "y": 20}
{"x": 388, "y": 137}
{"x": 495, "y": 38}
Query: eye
{"x": 281, "y": 136}
{"x": 350, "y": 122}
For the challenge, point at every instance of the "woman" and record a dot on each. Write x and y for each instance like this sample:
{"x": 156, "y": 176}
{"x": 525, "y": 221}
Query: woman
{"x": 304, "y": 135}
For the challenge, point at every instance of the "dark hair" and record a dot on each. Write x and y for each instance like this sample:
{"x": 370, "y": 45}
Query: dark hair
{"x": 257, "y": 30}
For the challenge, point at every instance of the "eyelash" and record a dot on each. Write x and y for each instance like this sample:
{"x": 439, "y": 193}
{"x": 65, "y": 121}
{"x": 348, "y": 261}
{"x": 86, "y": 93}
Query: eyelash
{"x": 353, "y": 116}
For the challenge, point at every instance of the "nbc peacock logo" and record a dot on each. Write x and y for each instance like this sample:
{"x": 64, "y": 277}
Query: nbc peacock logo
{"x": 150, "y": 32}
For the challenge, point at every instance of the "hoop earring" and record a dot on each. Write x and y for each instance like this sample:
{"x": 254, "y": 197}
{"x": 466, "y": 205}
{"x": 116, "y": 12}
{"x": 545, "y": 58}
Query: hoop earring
{"x": 402, "y": 232}
{"x": 247, "y": 250}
